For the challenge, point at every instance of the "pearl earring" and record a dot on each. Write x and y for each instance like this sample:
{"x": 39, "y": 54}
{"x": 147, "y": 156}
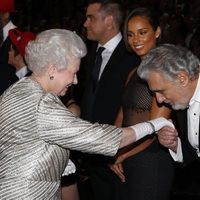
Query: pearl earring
{"x": 51, "y": 77}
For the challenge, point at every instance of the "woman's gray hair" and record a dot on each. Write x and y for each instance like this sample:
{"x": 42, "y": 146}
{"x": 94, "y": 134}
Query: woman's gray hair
{"x": 57, "y": 47}
{"x": 169, "y": 60}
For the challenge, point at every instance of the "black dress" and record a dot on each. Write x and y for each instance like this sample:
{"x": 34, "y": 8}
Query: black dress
{"x": 149, "y": 173}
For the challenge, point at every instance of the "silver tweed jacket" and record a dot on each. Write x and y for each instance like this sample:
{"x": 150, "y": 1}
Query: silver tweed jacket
{"x": 36, "y": 133}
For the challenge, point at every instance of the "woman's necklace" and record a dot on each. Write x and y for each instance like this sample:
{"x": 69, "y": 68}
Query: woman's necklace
{"x": 32, "y": 77}
{"x": 38, "y": 82}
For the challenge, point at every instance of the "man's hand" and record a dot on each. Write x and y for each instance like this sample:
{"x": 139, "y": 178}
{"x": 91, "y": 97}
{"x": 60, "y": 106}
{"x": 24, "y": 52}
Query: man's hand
{"x": 168, "y": 137}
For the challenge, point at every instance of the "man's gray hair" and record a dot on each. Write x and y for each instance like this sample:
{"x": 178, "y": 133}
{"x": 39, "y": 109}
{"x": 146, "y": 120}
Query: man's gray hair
{"x": 57, "y": 47}
{"x": 169, "y": 60}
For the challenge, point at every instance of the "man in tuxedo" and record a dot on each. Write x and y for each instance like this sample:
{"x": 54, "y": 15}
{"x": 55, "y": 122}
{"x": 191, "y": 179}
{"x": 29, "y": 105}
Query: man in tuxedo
{"x": 172, "y": 73}
{"x": 101, "y": 100}
{"x": 7, "y": 72}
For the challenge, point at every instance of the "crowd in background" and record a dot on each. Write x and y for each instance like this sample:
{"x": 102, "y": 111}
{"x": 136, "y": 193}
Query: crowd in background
{"x": 180, "y": 19}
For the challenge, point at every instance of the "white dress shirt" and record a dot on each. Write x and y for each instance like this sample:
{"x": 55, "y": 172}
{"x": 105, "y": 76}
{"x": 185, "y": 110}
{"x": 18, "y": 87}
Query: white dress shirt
{"x": 22, "y": 72}
{"x": 6, "y": 29}
{"x": 109, "y": 48}
{"x": 193, "y": 114}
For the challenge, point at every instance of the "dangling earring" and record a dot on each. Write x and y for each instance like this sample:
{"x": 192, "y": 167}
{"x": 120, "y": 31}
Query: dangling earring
{"x": 51, "y": 77}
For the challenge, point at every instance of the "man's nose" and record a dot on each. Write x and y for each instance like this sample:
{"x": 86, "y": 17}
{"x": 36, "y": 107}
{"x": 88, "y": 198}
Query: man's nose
{"x": 160, "y": 98}
{"x": 86, "y": 23}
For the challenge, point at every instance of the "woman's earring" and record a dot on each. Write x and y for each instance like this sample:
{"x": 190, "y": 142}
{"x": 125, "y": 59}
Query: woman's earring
{"x": 51, "y": 77}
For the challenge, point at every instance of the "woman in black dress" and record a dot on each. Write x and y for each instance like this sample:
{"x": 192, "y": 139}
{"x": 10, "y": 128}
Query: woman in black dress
{"x": 144, "y": 168}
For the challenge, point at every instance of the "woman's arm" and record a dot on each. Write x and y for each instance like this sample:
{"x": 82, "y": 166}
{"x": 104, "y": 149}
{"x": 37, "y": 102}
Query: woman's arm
{"x": 156, "y": 111}
{"x": 119, "y": 119}
{"x": 73, "y": 107}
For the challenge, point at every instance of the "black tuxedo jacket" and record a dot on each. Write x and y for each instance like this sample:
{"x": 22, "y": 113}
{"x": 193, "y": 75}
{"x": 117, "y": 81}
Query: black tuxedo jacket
{"x": 102, "y": 105}
{"x": 189, "y": 153}
{"x": 7, "y": 72}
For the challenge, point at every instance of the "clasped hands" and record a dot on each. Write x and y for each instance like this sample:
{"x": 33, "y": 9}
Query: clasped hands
{"x": 167, "y": 136}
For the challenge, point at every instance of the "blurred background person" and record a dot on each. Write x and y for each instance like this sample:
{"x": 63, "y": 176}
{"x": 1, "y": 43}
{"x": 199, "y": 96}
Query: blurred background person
{"x": 7, "y": 72}
{"x": 70, "y": 179}
{"x": 19, "y": 41}
{"x": 195, "y": 42}
{"x": 69, "y": 189}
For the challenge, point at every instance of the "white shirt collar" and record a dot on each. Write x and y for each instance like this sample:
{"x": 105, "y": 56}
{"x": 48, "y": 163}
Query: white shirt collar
{"x": 196, "y": 95}
{"x": 112, "y": 43}
{"x": 6, "y": 29}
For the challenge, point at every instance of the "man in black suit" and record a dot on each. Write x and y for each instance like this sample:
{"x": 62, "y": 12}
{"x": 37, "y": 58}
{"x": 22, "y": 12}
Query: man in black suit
{"x": 7, "y": 72}
{"x": 101, "y": 101}
{"x": 172, "y": 73}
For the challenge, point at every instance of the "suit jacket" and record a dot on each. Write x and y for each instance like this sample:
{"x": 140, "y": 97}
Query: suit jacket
{"x": 7, "y": 72}
{"x": 189, "y": 153}
{"x": 36, "y": 133}
{"x": 102, "y": 105}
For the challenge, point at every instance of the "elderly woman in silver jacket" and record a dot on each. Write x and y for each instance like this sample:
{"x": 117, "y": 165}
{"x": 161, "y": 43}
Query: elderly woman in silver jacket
{"x": 37, "y": 130}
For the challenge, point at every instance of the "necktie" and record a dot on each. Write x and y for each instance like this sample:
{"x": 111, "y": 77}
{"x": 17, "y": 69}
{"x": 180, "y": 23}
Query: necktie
{"x": 97, "y": 66}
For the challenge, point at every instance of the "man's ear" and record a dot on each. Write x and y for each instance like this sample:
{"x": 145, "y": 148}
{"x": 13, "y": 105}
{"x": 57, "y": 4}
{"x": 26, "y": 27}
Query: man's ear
{"x": 183, "y": 78}
{"x": 109, "y": 21}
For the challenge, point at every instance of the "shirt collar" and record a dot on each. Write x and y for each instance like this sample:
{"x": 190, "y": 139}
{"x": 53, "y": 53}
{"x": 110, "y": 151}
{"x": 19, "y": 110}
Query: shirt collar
{"x": 112, "y": 43}
{"x": 6, "y": 29}
{"x": 196, "y": 95}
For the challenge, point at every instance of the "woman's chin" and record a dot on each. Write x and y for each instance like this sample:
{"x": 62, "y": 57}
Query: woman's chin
{"x": 63, "y": 92}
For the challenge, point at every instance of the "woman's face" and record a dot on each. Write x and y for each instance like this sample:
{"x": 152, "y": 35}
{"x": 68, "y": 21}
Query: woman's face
{"x": 63, "y": 79}
{"x": 141, "y": 36}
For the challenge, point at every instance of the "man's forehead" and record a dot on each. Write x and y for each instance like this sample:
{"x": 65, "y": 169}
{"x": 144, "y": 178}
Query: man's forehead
{"x": 155, "y": 75}
{"x": 156, "y": 80}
